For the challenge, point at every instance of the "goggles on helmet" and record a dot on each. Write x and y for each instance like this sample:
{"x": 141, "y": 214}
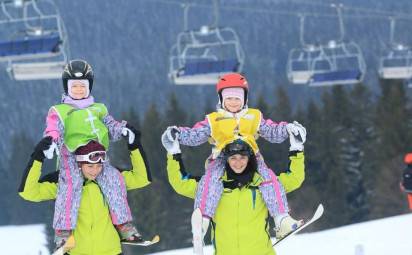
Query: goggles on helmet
{"x": 238, "y": 147}
{"x": 93, "y": 157}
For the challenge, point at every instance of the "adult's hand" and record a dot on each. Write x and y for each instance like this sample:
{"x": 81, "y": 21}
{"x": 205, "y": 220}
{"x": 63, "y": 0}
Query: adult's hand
{"x": 133, "y": 137}
{"x": 42, "y": 148}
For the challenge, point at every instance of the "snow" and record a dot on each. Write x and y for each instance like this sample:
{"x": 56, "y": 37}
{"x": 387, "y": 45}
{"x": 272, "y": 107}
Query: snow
{"x": 23, "y": 240}
{"x": 378, "y": 237}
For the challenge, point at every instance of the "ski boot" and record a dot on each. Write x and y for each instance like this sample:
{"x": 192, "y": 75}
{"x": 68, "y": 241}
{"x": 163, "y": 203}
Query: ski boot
{"x": 285, "y": 224}
{"x": 63, "y": 244}
{"x": 130, "y": 236}
{"x": 200, "y": 225}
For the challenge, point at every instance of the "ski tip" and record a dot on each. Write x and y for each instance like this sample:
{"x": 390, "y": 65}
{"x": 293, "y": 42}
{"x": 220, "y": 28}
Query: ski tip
{"x": 320, "y": 208}
{"x": 155, "y": 239}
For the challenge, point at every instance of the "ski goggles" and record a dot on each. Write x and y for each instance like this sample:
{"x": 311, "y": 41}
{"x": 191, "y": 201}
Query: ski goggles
{"x": 93, "y": 157}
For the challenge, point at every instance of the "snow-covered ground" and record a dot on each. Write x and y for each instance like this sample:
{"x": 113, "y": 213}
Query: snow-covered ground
{"x": 389, "y": 236}
{"x": 23, "y": 240}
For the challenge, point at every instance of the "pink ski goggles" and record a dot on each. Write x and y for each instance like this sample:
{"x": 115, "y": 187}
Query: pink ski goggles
{"x": 93, "y": 157}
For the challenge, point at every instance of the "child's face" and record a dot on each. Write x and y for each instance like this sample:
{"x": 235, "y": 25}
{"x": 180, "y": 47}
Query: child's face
{"x": 232, "y": 104}
{"x": 78, "y": 90}
{"x": 91, "y": 171}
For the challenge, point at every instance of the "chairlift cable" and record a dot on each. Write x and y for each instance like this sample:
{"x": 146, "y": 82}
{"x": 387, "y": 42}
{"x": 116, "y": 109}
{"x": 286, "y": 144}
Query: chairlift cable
{"x": 373, "y": 13}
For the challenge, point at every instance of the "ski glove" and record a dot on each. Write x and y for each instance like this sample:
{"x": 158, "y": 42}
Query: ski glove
{"x": 297, "y": 136}
{"x": 172, "y": 146}
{"x": 44, "y": 145}
{"x": 173, "y": 133}
{"x": 133, "y": 137}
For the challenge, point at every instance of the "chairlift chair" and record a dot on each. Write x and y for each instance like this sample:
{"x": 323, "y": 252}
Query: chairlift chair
{"x": 201, "y": 56}
{"x": 339, "y": 64}
{"x": 299, "y": 66}
{"x": 37, "y": 46}
{"x": 335, "y": 63}
{"x": 396, "y": 63}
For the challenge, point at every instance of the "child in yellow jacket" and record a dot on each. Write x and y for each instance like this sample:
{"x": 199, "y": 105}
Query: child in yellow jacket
{"x": 234, "y": 120}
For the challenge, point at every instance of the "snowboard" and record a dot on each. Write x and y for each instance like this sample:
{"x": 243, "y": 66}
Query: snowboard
{"x": 318, "y": 213}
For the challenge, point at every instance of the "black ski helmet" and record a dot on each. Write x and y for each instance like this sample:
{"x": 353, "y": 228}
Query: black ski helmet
{"x": 77, "y": 69}
{"x": 237, "y": 147}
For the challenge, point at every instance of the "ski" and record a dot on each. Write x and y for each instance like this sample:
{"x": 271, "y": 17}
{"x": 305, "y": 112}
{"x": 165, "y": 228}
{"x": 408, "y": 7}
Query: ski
{"x": 197, "y": 231}
{"x": 154, "y": 240}
{"x": 318, "y": 213}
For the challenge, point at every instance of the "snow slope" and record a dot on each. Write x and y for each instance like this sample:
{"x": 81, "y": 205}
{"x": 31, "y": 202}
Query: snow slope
{"x": 388, "y": 236}
{"x": 23, "y": 240}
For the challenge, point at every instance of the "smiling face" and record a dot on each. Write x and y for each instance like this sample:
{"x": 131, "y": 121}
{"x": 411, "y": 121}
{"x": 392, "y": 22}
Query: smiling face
{"x": 78, "y": 90}
{"x": 233, "y": 104}
{"x": 238, "y": 163}
{"x": 91, "y": 171}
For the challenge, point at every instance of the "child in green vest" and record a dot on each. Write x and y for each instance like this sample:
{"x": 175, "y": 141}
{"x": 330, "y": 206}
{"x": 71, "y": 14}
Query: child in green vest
{"x": 72, "y": 124}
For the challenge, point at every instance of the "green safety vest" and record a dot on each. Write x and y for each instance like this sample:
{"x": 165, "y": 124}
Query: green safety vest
{"x": 83, "y": 125}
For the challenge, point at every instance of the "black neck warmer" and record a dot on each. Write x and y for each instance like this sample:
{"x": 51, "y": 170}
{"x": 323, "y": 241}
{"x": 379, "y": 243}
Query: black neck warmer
{"x": 242, "y": 179}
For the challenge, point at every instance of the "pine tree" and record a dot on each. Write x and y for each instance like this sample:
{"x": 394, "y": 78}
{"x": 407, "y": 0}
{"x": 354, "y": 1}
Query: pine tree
{"x": 303, "y": 200}
{"x": 333, "y": 133}
{"x": 356, "y": 153}
{"x": 174, "y": 114}
{"x": 274, "y": 154}
{"x": 393, "y": 141}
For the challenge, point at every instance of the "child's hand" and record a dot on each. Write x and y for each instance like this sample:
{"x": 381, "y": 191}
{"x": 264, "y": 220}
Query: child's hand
{"x": 297, "y": 136}
{"x": 171, "y": 145}
{"x": 173, "y": 133}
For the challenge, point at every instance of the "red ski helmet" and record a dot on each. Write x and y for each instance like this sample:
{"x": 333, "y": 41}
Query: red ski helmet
{"x": 408, "y": 159}
{"x": 232, "y": 80}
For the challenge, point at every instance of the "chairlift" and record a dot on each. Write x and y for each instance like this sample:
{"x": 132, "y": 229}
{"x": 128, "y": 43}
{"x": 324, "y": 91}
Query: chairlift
{"x": 33, "y": 44}
{"x": 200, "y": 56}
{"x": 299, "y": 65}
{"x": 340, "y": 63}
{"x": 396, "y": 63}
{"x": 337, "y": 62}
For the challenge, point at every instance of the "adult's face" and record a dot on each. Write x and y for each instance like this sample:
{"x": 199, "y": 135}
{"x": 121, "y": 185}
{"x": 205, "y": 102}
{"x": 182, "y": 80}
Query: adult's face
{"x": 238, "y": 163}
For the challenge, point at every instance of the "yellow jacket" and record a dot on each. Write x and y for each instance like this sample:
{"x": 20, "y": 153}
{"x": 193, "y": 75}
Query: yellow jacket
{"x": 94, "y": 233}
{"x": 240, "y": 225}
{"x": 227, "y": 127}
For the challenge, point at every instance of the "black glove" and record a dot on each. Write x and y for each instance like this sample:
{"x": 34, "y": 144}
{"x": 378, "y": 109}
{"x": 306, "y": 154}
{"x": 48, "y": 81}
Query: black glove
{"x": 137, "y": 136}
{"x": 43, "y": 145}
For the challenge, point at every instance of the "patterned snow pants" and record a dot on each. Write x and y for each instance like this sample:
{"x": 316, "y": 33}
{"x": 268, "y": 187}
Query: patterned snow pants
{"x": 210, "y": 188}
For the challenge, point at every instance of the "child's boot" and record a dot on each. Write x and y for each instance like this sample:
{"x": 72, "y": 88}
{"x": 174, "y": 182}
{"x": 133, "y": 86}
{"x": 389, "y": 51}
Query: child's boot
{"x": 200, "y": 225}
{"x": 285, "y": 224}
{"x": 64, "y": 241}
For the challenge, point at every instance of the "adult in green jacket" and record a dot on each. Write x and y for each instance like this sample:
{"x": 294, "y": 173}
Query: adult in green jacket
{"x": 240, "y": 225}
{"x": 94, "y": 233}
